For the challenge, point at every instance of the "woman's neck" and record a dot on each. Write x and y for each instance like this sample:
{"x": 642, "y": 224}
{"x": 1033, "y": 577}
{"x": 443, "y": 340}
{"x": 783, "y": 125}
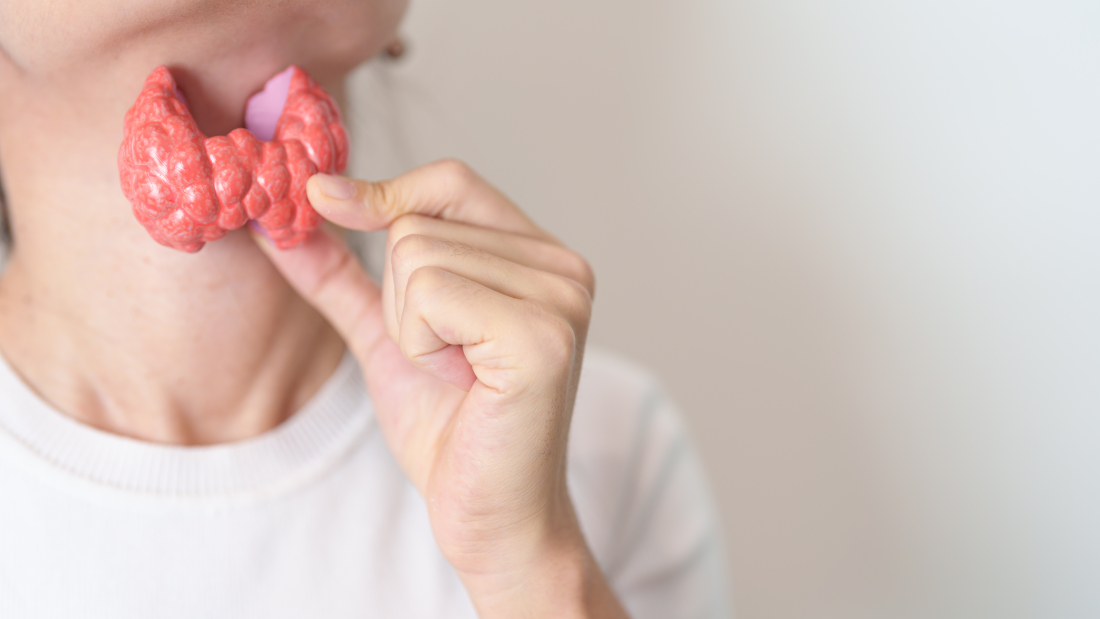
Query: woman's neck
{"x": 115, "y": 330}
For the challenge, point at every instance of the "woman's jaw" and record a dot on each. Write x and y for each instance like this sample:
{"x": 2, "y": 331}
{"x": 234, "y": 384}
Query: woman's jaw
{"x": 105, "y": 324}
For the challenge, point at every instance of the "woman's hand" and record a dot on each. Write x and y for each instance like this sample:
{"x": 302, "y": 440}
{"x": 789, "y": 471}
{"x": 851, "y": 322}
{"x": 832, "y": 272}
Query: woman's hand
{"x": 471, "y": 349}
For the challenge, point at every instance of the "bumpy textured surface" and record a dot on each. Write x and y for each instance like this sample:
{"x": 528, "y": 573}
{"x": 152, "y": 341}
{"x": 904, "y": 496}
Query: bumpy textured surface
{"x": 187, "y": 189}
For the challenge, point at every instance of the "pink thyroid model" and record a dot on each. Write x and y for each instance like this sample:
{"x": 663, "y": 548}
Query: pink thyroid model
{"x": 188, "y": 189}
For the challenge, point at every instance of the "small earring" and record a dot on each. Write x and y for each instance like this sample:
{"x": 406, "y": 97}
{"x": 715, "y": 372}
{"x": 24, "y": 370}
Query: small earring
{"x": 396, "y": 49}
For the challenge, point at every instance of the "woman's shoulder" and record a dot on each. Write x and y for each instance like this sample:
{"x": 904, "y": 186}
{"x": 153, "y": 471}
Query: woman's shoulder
{"x": 641, "y": 494}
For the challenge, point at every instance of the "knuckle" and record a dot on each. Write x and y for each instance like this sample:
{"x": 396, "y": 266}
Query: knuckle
{"x": 458, "y": 174}
{"x": 423, "y": 283}
{"x": 557, "y": 340}
{"x": 417, "y": 250}
{"x": 381, "y": 195}
{"x": 399, "y": 229}
{"x": 573, "y": 299}
{"x": 408, "y": 251}
{"x": 579, "y": 270}
{"x": 406, "y": 225}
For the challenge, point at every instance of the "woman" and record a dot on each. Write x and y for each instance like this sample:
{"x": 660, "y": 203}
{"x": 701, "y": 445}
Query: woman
{"x": 247, "y": 431}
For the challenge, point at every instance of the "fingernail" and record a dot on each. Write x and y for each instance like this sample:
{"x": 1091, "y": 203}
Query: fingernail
{"x": 335, "y": 187}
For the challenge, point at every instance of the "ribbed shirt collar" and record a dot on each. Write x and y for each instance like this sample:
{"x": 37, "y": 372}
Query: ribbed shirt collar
{"x": 297, "y": 449}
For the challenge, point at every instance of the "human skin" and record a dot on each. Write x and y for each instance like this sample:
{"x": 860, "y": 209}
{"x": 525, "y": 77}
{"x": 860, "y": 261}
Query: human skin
{"x": 471, "y": 347}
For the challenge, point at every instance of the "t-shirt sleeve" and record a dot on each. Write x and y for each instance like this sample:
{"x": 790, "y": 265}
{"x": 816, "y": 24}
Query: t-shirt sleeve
{"x": 642, "y": 497}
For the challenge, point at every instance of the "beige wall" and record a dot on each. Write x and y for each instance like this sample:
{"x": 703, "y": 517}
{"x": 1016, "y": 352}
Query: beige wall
{"x": 857, "y": 239}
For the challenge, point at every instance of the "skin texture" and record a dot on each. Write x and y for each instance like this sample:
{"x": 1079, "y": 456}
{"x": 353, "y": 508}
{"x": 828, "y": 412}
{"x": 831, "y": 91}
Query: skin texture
{"x": 471, "y": 346}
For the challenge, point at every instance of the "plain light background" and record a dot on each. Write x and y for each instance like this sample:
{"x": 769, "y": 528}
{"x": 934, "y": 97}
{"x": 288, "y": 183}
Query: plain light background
{"x": 858, "y": 240}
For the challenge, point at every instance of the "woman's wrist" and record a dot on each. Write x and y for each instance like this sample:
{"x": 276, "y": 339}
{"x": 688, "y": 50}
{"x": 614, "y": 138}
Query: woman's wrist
{"x": 548, "y": 571}
{"x": 560, "y": 579}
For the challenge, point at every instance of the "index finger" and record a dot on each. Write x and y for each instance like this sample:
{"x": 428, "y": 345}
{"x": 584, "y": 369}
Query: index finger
{"x": 446, "y": 189}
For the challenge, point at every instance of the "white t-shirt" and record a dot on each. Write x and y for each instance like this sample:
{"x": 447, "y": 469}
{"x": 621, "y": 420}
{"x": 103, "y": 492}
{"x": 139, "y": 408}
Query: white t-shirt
{"x": 315, "y": 519}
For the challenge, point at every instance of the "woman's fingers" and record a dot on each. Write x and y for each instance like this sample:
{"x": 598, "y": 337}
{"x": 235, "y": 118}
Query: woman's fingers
{"x": 498, "y": 335}
{"x": 328, "y": 275}
{"x": 446, "y": 189}
{"x": 525, "y": 250}
{"x": 479, "y": 254}
{"x": 466, "y": 272}
{"x": 452, "y": 325}
{"x": 561, "y": 295}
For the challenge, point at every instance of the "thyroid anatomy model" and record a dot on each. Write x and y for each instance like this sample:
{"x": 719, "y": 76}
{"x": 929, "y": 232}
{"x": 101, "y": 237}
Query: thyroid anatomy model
{"x": 188, "y": 189}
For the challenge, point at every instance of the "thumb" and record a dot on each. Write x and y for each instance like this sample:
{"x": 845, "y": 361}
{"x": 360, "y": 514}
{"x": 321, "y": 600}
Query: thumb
{"x": 445, "y": 189}
{"x": 329, "y": 277}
